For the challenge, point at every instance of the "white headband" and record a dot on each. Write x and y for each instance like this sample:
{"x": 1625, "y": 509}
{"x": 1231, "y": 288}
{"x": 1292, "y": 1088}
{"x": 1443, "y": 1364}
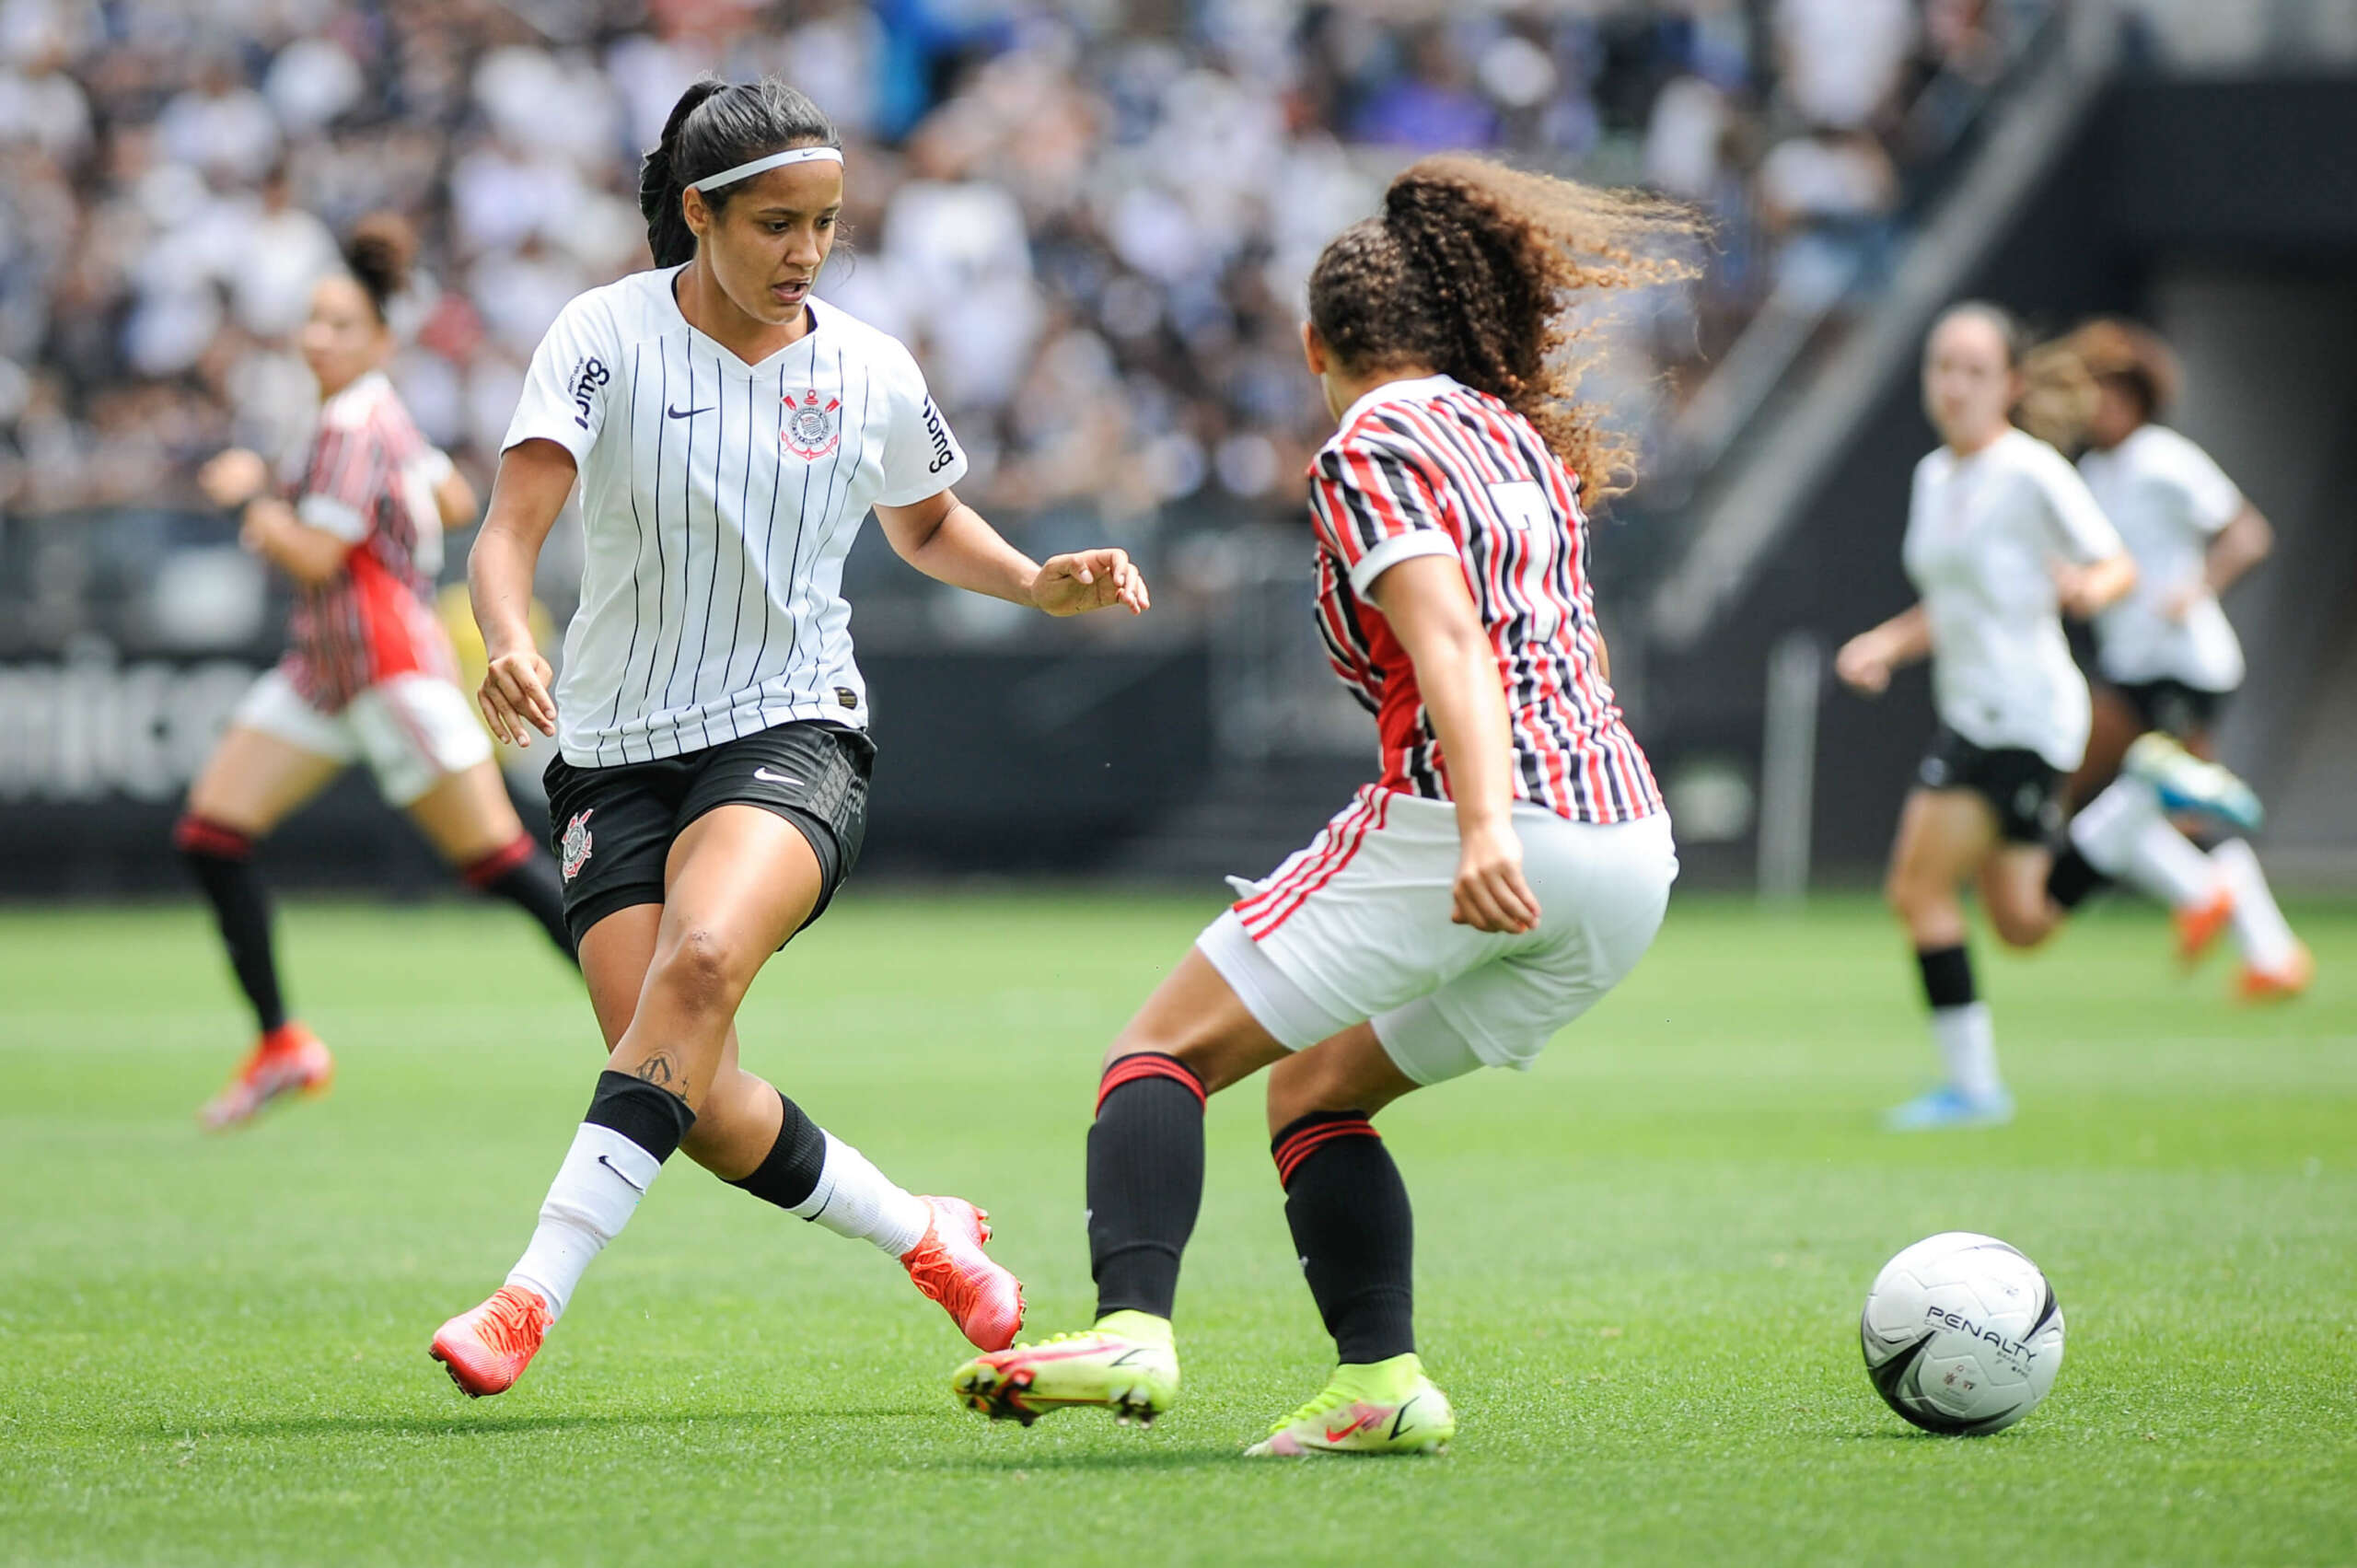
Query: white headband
{"x": 763, "y": 165}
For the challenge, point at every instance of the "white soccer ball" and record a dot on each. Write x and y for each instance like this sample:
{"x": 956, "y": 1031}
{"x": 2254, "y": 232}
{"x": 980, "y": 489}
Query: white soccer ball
{"x": 1962, "y": 1334}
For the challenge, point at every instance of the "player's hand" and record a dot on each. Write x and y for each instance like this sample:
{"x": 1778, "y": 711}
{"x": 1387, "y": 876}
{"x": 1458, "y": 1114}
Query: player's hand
{"x": 233, "y": 478}
{"x": 1863, "y": 666}
{"x": 515, "y": 697}
{"x": 2080, "y": 590}
{"x": 1490, "y": 894}
{"x": 2181, "y": 601}
{"x": 1090, "y": 579}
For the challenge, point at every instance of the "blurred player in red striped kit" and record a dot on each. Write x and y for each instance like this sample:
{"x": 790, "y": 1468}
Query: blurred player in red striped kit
{"x": 369, "y": 675}
{"x": 1511, "y": 866}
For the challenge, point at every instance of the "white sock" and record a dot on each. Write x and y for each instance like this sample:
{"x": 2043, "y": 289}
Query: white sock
{"x": 2259, "y": 927}
{"x": 2165, "y": 863}
{"x": 1967, "y": 1043}
{"x": 853, "y": 1197}
{"x": 2108, "y": 829}
{"x": 595, "y": 1191}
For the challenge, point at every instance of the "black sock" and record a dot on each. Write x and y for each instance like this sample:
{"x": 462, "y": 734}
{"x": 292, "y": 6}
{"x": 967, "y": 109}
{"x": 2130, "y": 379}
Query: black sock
{"x": 656, "y": 1119}
{"x": 789, "y": 1173}
{"x": 525, "y": 877}
{"x": 2073, "y": 877}
{"x": 1947, "y": 976}
{"x": 1146, "y": 1181}
{"x": 1353, "y": 1231}
{"x": 221, "y": 858}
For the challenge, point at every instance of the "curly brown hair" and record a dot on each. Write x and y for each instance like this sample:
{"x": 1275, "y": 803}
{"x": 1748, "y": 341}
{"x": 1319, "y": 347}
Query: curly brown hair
{"x": 1473, "y": 270}
{"x": 2131, "y": 357}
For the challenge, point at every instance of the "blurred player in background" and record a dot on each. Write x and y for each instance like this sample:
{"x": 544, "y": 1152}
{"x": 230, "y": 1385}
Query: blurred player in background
{"x": 368, "y": 672}
{"x": 2166, "y": 657}
{"x": 1511, "y": 866}
{"x": 710, "y": 790}
{"x": 2002, "y": 537}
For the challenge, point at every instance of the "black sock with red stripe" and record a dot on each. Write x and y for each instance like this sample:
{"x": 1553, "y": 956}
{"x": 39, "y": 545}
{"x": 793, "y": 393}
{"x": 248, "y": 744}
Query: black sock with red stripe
{"x": 222, "y": 859}
{"x": 524, "y": 875}
{"x": 1353, "y": 1231}
{"x": 1146, "y": 1181}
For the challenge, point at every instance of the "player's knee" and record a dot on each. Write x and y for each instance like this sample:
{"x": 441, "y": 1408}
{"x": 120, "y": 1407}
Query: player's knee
{"x": 2018, "y": 927}
{"x": 1908, "y": 894}
{"x": 704, "y": 969}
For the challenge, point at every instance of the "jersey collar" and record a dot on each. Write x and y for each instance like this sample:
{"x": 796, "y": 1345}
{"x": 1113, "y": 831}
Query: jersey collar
{"x": 728, "y": 356}
{"x": 1415, "y": 389}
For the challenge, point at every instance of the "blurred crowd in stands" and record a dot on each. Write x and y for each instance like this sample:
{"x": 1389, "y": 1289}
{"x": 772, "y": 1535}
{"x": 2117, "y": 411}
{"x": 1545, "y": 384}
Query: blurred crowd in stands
{"x": 1091, "y": 218}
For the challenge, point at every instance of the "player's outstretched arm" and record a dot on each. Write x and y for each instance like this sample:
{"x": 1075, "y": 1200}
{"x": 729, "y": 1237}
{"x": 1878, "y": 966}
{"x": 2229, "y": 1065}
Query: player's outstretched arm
{"x": 948, "y": 542}
{"x": 1867, "y": 660}
{"x": 1431, "y": 613}
{"x": 534, "y": 478}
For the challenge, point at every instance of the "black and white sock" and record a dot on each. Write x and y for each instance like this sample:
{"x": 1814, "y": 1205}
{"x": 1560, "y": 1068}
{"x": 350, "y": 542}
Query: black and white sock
{"x": 811, "y": 1173}
{"x": 222, "y": 859}
{"x": 524, "y": 875}
{"x": 1353, "y": 1231}
{"x": 1960, "y": 1023}
{"x": 2124, "y": 833}
{"x": 631, "y": 1128}
{"x": 1146, "y": 1181}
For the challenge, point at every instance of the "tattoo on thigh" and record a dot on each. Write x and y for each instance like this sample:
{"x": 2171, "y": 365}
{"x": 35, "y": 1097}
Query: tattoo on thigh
{"x": 662, "y": 1070}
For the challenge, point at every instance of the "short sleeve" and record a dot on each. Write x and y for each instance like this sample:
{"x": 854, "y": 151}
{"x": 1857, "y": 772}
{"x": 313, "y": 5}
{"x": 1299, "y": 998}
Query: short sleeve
{"x": 2081, "y": 531}
{"x": 2211, "y": 500}
{"x": 1375, "y": 507}
{"x": 349, "y": 468}
{"x": 920, "y": 456}
{"x": 567, "y": 389}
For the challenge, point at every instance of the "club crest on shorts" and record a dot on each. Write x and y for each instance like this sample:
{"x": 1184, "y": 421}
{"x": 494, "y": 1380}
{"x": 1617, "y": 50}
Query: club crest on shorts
{"x": 576, "y": 847}
{"x": 812, "y": 429}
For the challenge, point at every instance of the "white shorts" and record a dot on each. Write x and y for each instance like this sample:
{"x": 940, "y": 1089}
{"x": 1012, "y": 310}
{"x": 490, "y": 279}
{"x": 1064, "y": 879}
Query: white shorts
{"x": 1356, "y": 927}
{"x": 413, "y": 731}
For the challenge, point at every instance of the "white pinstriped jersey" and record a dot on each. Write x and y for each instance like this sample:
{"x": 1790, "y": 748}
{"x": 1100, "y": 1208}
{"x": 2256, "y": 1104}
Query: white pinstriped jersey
{"x": 719, "y": 500}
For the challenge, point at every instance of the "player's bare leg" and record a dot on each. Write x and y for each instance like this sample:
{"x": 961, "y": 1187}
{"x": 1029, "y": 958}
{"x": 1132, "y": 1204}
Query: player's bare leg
{"x": 1193, "y": 1038}
{"x": 1945, "y": 836}
{"x": 253, "y": 782}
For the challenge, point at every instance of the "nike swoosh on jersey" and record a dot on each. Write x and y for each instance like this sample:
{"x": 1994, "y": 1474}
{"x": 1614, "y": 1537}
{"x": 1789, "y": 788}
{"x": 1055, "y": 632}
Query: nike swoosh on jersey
{"x": 689, "y": 413}
{"x": 767, "y": 777}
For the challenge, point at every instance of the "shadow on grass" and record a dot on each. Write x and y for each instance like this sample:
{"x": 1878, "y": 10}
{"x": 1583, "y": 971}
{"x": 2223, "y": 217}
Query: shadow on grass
{"x": 1196, "y": 1456}
{"x": 465, "y": 1423}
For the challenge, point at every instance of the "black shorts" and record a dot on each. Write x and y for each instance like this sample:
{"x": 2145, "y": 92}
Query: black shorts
{"x": 2172, "y": 707}
{"x": 611, "y": 827}
{"x": 2022, "y": 787}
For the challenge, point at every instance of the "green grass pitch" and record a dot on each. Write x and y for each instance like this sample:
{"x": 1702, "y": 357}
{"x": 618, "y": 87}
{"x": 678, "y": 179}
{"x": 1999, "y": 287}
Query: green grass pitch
{"x": 1639, "y": 1276}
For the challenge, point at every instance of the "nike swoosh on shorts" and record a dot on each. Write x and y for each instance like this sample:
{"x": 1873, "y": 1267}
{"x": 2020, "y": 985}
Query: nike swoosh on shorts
{"x": 767, "y": 777}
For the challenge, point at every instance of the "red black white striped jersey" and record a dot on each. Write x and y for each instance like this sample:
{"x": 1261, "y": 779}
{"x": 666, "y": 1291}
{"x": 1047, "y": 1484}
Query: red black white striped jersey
{"x": 369, "y": 482}
{"x": 1431, "y": 467}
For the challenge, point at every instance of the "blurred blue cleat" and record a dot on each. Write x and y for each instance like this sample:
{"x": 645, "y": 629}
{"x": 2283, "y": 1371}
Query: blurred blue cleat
{"x": 2186, "y": 783}
{"x": 1947, "y": 1107}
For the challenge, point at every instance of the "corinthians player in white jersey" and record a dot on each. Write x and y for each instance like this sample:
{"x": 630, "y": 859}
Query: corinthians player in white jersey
{"x": 2166, "y": 657}
{"x": 2002, "y": 537}
{"x": 730, "y": 435}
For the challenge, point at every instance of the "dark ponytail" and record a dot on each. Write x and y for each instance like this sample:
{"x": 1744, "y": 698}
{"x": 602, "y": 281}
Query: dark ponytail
{"x": 379, "y": 255}
{"x": 1473, "y": 270}
{"x": 718, "y": 126}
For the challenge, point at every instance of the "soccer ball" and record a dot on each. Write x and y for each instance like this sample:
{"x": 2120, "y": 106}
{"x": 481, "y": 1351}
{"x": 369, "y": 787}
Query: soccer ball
{"x": 1962, "y": 1334}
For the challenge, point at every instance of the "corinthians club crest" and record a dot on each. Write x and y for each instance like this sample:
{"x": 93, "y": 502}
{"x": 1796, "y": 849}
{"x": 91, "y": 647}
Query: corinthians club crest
{"x": 576, "y": 847}
{"x": 811, "y": 428}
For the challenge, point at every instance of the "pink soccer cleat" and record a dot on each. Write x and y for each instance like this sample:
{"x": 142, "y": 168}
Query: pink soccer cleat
{"x": 487, "y": 1349}
{"x": 950, "y": 1266}
{"x": 288, "y": 1060}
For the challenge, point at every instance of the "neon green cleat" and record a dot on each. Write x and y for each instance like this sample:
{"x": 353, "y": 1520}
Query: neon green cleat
{"x": 1389, "y": 1407}
{"x": 1128, "y": 1362}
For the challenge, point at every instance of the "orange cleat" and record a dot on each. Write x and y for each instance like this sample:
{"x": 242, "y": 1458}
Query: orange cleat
{"x": 2198, "y": 927}
{"x": 487, "y": 1349}
{"x": 2278, "y": 984}
{"x": 950, "y": 1266}
{"x": 289, "y": 1059}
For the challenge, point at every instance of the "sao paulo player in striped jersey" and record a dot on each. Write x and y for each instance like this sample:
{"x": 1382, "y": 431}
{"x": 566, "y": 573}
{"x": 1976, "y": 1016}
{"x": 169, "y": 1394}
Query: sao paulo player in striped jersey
{"x": 730, "y": 435}
{"x": 368, "y": 673}
{"x": 1508, "y": 869}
